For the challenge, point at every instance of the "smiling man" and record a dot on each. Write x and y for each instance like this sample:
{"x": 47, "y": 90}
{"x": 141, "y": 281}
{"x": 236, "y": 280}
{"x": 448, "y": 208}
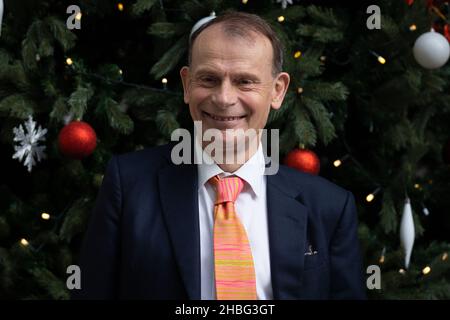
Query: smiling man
{"x": 234, "y": 79}
{"x": 222, "y": 230}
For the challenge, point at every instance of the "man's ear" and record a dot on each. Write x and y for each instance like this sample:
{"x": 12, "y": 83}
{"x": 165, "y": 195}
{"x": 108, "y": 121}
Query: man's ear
{"x": 279, "y": 90}
{"x": 184, "y": 73}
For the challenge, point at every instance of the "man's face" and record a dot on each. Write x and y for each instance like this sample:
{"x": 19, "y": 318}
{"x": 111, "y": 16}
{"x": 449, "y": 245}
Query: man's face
{"x": 230, "y": 84}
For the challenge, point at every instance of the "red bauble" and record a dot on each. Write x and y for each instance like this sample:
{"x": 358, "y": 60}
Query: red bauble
{"x": 77, "y": 140}
{"x": 303, "y": 160}
{"x": 447, "y": 32}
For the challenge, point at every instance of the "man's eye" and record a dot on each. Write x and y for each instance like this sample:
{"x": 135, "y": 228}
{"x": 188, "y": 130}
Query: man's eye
{"x": 208, "y": 79}
{"x": 245, "y": 82}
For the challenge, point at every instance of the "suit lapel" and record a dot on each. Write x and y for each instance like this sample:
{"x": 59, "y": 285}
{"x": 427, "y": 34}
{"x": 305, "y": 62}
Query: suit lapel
{"x": 179, "y": 198}
{"x": 287, "y": 220}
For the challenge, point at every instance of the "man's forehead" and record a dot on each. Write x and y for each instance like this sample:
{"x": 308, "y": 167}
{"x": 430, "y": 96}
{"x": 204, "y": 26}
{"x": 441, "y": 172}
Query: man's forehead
{"x": 229, "y": 31}
{"x": 216, "y": 43}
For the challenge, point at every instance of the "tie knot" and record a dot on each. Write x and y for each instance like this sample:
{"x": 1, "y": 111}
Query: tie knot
{"x": 227, "y": 189}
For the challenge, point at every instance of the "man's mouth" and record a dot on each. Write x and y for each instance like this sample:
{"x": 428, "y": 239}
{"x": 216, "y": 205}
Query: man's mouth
{"x": 219, "y": 118}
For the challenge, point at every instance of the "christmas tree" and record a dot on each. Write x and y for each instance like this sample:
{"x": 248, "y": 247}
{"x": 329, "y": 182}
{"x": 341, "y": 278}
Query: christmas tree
{"x": 82, "y": 81}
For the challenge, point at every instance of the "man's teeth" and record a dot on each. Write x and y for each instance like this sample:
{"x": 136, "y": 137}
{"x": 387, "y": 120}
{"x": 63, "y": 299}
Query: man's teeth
{"x": 222, "y": 118}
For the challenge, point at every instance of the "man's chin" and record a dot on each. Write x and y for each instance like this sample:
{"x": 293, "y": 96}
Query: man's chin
{"x": 232, "y": 143}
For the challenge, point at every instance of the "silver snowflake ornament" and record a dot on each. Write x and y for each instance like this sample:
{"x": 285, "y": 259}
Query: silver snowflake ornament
{"x": 28, "y": 147}
{"x": 284, "y": 3}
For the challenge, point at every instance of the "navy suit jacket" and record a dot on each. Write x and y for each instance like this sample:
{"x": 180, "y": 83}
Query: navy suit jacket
{"x": 143, "y": 240}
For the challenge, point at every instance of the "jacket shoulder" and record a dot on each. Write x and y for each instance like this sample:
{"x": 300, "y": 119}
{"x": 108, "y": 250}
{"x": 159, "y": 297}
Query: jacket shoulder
{"x": 141, "y": 162}
{"x": 311, "y": 186}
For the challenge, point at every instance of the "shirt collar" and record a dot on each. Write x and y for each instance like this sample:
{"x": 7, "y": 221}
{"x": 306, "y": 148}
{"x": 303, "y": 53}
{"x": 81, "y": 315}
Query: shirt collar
{"x": 252, "y": 171}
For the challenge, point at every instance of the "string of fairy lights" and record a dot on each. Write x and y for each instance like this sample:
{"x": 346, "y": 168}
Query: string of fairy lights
{"x": 338, "y": 162}
{"x": 370, "y": 197}
{"x": 45, "y": 216}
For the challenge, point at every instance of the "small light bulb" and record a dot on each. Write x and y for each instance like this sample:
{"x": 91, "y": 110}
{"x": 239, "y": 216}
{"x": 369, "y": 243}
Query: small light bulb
{"x": 402, "y": 271}
{"x": 280, "y": 19}
{"x": 69, "y": 61}
{"x": 337, "y": 163}
{"x": 45, "y": 216}
{"x": 120, "y": 71}
{"x": 24, "y": 242}
{"x": 413, "y": 27}
{"x": 78, "y": 16}
{"x": 120, "y": 6}
{"x": 381, "y": 60}
{"x": 323, "y": 58}
{"x": 164, "y": 80}
{"x": 244, "y": 1}
{"x": 300, "y": 90}
{"x": 371, "y": 196}
{"x": 445, "y": 256}
{"x": 297, "y": 54}
{"x": 426, "y": 270}
{"x": 381, "y": 259}
{"x": 416, "y": 186}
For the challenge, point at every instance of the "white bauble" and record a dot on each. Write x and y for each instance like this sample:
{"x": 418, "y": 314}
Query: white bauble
{"x": 1, "y": 15}
{"x": 407, "y": 232}
{"x": 202, "y": 22}
{"x": 431, "y": 50}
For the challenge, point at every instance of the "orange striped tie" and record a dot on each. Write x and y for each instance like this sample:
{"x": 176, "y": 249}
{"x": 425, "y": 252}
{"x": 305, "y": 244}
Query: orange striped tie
{"x": 233, "y": 261}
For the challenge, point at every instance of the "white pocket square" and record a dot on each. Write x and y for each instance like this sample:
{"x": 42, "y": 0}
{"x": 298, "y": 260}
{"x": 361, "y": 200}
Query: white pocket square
{"x": 310, "y": 251}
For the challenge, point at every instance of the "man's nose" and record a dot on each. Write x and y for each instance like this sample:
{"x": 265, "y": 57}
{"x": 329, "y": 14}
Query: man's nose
{"x": 225, "y": 95}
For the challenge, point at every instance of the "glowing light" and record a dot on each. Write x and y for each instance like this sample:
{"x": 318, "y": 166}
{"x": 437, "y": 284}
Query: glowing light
{"x": 78, "y": 16}
{"x": 371, "y": 196}
{"x": 164, "y": 80}
{"x": 444, "y": 256}
{"x": 417, "y": 186}
{"x": 120, "y": 6}
{"x": 280, "y": 19}
{"x": 120, "y": 71}
{"x": 24, "y": 242}
{"x": 300, "y": 90}
{"x": 382, "y": 257}
{"x": 402, "y": 271}
{"x": 426, "y": 270}
{"x": 45, "y": 216}
{"x": 413, "y": 27}
{"x": 69, "y": 61}
{"x": 323, "y": 58}
{"x": 244, "y": 1}
{"x": 297, "y": 54}
{"x": 337, "y": 163}
{"x": 381, "y": 60}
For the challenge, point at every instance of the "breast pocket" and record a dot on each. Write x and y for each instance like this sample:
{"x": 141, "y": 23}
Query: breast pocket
{"x": 314, "y": 261}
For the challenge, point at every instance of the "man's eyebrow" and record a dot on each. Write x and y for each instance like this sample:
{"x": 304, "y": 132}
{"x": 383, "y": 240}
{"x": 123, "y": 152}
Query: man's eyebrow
{"x": 246, "y": 75}
{"x": 205, "y": 71}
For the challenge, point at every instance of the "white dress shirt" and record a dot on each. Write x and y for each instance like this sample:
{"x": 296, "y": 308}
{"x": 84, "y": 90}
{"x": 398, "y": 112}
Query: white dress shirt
{"x": 251, "y": 208}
